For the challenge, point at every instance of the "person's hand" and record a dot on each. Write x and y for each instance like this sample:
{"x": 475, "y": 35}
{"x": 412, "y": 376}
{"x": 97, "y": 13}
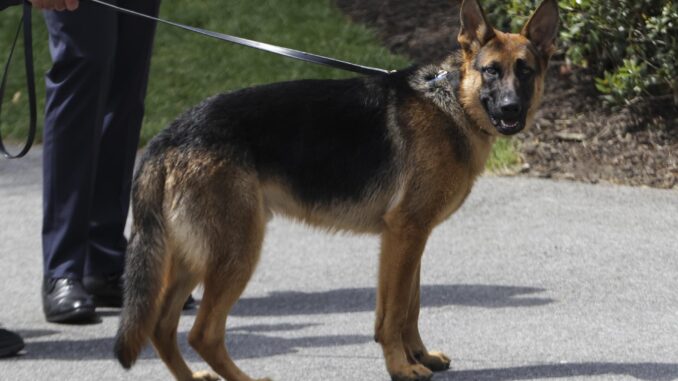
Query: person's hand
{"x": 57, "y": 5}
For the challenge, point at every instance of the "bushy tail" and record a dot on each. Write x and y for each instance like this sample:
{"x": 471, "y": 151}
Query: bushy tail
{"x": 145, "y": 263}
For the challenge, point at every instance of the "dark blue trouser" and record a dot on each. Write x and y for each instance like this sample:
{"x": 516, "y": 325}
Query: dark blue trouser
{"x": 93, "y": 114}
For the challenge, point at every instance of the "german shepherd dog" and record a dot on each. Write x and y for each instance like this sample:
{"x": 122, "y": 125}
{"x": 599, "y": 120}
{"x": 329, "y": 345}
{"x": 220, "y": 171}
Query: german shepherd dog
{"x": 393, "y": 154}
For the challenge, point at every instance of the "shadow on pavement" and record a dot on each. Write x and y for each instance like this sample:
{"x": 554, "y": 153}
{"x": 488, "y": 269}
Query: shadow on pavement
{"x": 33, "y": 333}
{"x": 640, "y": 371}
{"x": 364, "y": 299}
{"x": 249, "y": 342}
{"x": 242, "y": 344}
{"x": 346, "y": 300}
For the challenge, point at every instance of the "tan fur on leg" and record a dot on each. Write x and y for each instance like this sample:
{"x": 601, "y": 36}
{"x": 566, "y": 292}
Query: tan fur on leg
{"x": 234, "y": 244}
{"x": 436, "y": 361}
{"x": 177, "y": 285}
{"x": 401, "y": 250}
{"x": 208, "y": 333}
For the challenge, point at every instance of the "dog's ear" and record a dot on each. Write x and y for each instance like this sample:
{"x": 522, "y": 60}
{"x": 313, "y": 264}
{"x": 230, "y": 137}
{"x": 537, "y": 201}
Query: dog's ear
{"x": 542, "y": 28}
{"x": 475, "y": 31}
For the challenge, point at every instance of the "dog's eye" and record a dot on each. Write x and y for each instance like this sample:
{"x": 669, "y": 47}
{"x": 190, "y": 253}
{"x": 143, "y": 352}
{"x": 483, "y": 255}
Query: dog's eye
{"x": 491, "y": 71}
{"x": 525, "y": 71}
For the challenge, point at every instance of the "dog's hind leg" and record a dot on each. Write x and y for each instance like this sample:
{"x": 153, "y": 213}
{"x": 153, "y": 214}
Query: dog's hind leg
{"x": 416, "y": 349}
{"x": 208, "y": 333}
{"x": 402, "y": 245}
{"x": 234, "y": 245}
{"x": 178, "y": 284}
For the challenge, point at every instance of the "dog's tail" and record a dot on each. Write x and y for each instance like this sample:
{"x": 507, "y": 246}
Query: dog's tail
{"x": 144, "y": 262}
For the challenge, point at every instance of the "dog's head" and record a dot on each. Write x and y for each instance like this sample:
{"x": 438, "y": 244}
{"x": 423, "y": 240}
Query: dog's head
{"x": 503, "y": 73}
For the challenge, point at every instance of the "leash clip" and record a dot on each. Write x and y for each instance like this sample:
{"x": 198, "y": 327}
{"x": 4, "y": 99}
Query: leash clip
{"x": 442, "y": 74}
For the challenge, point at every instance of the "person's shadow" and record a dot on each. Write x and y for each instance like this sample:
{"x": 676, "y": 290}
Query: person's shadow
{"x": 245, "y": 342}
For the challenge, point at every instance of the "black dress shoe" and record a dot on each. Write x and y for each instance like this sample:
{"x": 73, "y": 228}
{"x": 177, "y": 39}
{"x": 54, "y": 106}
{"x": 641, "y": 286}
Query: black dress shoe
{"x": 10, "y": 343}
{"x": 190, "y": 304}
{"x": 66, "y": 301}
{"x": 106, "y": 290}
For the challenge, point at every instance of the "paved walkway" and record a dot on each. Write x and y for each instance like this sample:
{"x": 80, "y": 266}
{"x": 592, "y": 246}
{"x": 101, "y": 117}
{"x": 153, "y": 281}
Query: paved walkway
{"x": 531, "y": 280}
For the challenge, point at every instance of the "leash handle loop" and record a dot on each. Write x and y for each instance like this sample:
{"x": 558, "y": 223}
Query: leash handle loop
{"x": 296, "y": 54}
{"x": 30, "y": 80}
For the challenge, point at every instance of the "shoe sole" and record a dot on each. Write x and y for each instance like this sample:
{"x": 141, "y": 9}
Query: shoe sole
{"x": 78, "y": 315}
{"x": 11, "y": 350}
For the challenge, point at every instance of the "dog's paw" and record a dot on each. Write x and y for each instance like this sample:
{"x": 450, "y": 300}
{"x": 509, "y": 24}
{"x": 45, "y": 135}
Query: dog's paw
{"x": 416, "y": 372}
{"x": 204, "y": 376}
{"x": 436, "y": 361}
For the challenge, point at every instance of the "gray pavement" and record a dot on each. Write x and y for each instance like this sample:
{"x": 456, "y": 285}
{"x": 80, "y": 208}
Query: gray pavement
{"x": 531, "y": 280}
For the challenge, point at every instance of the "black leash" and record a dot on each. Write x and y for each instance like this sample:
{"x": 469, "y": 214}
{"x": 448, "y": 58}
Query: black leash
{"x": 30, "y": 81}
{"x": 296, "y": 54}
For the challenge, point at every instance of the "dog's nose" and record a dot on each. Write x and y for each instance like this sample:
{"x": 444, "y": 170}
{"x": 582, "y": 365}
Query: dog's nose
{"x": 510, "y": 106}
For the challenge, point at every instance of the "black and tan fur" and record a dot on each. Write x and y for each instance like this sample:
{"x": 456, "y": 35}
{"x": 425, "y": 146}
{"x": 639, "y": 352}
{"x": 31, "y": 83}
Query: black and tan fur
{"x": 392, "y": 154}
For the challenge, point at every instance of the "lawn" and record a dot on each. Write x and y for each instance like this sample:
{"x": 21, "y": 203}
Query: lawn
{"x": 188, "y": 67}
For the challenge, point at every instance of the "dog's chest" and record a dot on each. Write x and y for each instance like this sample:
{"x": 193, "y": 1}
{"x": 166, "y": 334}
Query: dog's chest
{"x": 454, "y": 200}
{"x": 458, "y": 166}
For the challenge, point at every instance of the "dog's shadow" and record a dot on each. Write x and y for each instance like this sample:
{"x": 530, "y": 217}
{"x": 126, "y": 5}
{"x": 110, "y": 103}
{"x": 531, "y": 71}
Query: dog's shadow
{"x": 345, "y": 300}
{"x": 255, "y": 341}
{"x": 249, "y": 342}
{"x": 641, "y": 371}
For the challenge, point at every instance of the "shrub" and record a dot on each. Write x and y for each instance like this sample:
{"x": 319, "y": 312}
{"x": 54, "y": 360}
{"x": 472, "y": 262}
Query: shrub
{"x": 630, "y": 45}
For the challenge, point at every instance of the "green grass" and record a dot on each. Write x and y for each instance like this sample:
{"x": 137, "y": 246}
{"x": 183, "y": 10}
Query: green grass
{"x": 504, "y": 156}
{"x": 187, "y": 67}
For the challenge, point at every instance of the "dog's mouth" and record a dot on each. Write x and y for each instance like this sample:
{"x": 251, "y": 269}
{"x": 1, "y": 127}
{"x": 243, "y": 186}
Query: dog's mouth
{"x": 504, "y": 124}
{"x": 507, "y": 125}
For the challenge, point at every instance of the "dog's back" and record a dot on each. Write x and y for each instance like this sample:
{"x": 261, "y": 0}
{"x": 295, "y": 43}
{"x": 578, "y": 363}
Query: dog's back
{"x": 324, "y": 151}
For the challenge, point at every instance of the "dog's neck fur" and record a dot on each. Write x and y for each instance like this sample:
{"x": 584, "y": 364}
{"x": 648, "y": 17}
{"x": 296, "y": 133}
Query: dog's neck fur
{"x": 444, "y": 93}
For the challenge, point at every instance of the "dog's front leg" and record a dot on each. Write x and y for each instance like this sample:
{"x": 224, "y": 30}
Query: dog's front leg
{"x": 436, "y": 361}
{"x": 401, "y": 248}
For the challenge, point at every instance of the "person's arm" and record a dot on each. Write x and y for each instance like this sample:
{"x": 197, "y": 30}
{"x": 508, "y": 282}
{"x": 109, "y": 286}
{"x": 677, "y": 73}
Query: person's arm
{"x": 57, "y": 5}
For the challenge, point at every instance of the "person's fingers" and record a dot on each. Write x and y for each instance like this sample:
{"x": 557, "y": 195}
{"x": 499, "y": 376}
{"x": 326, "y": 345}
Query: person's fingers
{"x": 72, "y": 5}
{"x": 38, "y": 4}
{"x": 58, "y": 5}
